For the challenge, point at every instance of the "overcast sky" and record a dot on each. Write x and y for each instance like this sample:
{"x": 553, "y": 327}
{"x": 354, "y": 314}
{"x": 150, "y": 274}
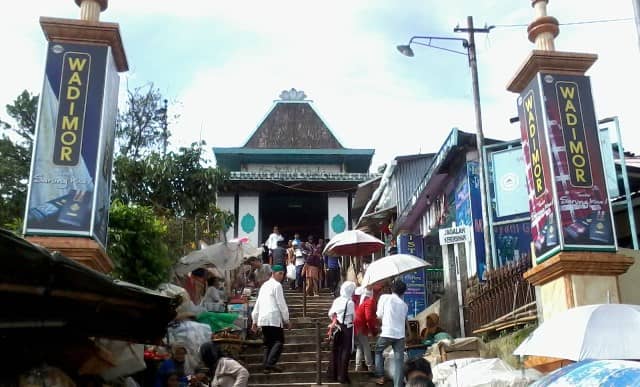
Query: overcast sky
{"x": 222, "y": 63}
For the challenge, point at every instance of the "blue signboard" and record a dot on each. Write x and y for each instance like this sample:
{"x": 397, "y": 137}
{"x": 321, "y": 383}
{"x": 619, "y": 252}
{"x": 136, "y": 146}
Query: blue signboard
{"x": 513, "y": 241}
{"x": 415, "y": 296}
{"x": 71, "y": 165}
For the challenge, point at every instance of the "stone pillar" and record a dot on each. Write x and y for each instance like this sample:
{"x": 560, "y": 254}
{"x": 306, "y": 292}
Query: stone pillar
{"x": 69, "y": 187}
{"x": 574, "y": 248}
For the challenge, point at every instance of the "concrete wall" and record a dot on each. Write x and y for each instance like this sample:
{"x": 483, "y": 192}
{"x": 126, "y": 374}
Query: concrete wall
{"x": 628, "y": 282}
{"x": 227, "y": 202}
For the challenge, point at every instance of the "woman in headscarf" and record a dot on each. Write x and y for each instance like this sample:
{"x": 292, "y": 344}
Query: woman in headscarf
{"x": 343, "y": 308}
{"x": 225, "y": 372}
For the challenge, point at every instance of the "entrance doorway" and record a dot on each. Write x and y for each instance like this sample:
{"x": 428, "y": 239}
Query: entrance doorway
{"x": 300, "y": 212}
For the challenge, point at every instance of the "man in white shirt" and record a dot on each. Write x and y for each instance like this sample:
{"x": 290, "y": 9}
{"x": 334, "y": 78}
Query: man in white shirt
{"x": 271, "y": 314}
{"x": 392, "y": 310}
{"x": 274, "y": 237}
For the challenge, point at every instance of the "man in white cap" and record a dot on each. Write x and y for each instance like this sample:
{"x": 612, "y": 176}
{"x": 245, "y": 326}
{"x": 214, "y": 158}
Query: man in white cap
{"x": 271, "y": 314}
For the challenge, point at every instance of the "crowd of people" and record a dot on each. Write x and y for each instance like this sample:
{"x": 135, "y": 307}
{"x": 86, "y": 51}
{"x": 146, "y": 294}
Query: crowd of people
{"x": 359, "y": 315}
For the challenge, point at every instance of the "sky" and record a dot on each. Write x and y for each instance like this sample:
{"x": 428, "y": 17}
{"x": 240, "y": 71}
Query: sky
{"x": 221, "y": 64}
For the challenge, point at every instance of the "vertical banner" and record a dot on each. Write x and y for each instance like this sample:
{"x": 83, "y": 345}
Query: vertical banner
{"x": 415, "y": 296}
{"x": 608, "y": 162}
{"x": 544, "y": 229}
{"x": 580, "y": 185}
{"x": 476, "y": 215}
{"x": 105, "y": 157}
{"x": 71, "y": 151}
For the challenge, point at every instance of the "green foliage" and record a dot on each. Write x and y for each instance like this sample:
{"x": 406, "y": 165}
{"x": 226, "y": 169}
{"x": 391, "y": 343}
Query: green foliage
{"x": 137, "y": 245}
{"x": 177, "y": 184}
{"x": 142, "y": 127}
{"x": 15, "y": 152}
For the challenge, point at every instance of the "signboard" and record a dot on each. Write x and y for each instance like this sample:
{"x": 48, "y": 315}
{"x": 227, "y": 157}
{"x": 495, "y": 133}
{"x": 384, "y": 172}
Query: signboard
{"x": 73, "y": 144}
{"x": 451, "y": 235}
{"x": 512, "y": 241}
{"x": 544, "y": 229}
{"x": 509, "y": 182}
{"x": 575, "y": 213}
{"x": 415, "y": 295}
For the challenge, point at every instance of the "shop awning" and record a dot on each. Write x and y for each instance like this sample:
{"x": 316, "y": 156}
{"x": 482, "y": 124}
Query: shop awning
{"x": 47, "y": 293}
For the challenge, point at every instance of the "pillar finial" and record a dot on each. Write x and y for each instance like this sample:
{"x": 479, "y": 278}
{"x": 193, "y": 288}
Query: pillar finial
{"x": 543, "y": 30}
{"x": 90, "y": 9}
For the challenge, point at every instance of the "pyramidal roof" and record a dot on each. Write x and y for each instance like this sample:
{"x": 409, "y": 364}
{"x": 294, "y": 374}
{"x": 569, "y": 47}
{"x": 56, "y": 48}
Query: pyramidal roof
{"x": 293, "y": 123}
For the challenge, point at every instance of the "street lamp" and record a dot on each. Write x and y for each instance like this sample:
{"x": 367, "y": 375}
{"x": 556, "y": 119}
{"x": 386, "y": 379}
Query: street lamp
{"x": 470, "y": 53}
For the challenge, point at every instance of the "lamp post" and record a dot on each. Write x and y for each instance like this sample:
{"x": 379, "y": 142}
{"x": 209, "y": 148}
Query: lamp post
{"x": 470, "y": 53}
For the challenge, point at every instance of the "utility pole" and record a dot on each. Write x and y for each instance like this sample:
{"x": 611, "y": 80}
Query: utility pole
{"x": 473, "y": 63}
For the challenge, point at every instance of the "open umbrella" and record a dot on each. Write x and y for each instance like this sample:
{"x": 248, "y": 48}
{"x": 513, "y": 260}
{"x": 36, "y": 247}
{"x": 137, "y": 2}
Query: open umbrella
{"x": 601, "y": 373}
{"x": 224, "y": 255}
{"x": 353, "y": 243}
{"x": 391, "y": 266}
{"x": 478, "y": 372}
{"x": 601, "y": 331}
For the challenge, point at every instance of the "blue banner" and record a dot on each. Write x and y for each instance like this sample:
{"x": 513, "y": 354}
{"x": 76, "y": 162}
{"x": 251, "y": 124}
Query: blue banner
{"x": 415, "y": 296}
{"x": 73, "y": 144}
{"x": 513, "y": 241}
{"x": 476, "y": 214}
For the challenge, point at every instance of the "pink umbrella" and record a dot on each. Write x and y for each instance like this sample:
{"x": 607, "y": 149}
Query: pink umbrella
{"x": 353, "y": 243}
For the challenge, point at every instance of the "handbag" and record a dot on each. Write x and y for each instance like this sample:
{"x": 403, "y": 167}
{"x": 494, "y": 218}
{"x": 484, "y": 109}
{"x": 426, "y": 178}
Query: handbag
{"x": 335, "y": 329}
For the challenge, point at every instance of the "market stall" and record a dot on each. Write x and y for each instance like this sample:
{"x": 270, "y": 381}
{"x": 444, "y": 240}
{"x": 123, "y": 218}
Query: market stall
{"x": 58, "y": 312}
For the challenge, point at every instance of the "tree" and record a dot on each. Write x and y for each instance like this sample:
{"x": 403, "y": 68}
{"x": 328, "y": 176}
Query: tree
{"x": 137, "y": 245}
{"x": 142, "y": 127}
{"x": 179, "y": 185}
{"x": 16, "y": 146}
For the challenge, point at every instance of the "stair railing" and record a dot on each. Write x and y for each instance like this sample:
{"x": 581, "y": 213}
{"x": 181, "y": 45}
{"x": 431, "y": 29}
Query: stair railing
{"x": 304, "y": 299}
{"x": 318, "y": 353}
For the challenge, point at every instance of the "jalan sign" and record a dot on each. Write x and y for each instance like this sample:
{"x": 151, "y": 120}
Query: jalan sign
{"x": 451, "y": 235}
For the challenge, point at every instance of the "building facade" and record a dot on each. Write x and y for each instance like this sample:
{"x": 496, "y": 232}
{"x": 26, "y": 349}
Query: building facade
{"x": 292, "y": 173}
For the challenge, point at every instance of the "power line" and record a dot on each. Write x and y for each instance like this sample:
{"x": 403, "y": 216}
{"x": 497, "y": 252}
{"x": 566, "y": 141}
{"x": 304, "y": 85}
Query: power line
{"x": 569, "y": 24}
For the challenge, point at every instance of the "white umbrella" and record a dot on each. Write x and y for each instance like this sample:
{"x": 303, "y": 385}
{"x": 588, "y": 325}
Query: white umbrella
{"x": 601, "y": 331}
{"x": 224, "y": 255}
{"x": 478, "y": 372}
{"x": 391, "y": 266}
{"x": 353, "y": 243}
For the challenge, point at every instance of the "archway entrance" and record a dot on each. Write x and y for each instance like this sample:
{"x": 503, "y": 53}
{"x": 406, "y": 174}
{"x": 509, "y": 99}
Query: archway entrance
{"x": 301, "y": 212}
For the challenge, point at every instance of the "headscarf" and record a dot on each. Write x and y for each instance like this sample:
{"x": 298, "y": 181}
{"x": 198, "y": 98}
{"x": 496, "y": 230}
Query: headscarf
{"x": 210, "y": 353}
{"x": 344, "y": 300}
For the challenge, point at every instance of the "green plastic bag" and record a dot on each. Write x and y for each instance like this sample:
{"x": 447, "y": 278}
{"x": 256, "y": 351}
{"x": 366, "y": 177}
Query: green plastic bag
{"x": 218, "y": 321}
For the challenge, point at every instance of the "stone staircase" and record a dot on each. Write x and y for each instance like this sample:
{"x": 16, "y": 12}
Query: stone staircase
{"x": 299, "y": 357}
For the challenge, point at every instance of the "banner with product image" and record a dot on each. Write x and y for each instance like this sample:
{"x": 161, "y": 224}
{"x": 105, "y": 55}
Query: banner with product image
{"x": 570, "y": 209}
{"x": 73, "y": 143}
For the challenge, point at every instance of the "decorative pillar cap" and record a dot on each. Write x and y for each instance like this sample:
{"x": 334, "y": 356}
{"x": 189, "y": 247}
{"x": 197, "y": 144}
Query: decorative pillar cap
{"x": 103, "y": 3}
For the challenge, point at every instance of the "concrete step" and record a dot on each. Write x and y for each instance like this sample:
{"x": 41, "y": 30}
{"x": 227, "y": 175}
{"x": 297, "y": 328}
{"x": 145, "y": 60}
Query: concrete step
{"x": 290, "y": 347}
{"x": 294, "y": 378}
{"x": 256, "y": 358}
{"x": 308, "y": 365}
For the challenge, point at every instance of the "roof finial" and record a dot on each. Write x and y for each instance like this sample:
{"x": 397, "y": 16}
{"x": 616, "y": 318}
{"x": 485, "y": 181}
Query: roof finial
{"x": 544, "y": 28}
{"x": 292, "y": 95}
{"x": 90, "y": 9}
